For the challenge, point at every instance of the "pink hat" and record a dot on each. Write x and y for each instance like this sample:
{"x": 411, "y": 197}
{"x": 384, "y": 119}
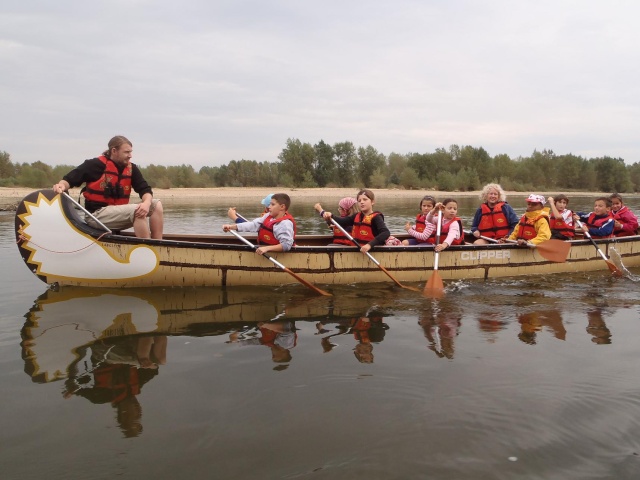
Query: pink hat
{"x": 347, "y": 202}
{"x": 533, "y": 198}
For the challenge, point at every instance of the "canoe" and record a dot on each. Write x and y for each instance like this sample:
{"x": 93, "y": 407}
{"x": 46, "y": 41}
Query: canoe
{"x": 60, "y": 248}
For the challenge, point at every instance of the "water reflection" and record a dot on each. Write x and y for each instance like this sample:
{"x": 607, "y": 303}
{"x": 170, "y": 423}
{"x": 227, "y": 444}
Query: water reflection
{"x": 115, "y": 372}
{"x": 441, "y": 325}
{"x": 597, "y": 328}
{"x": 366, "y": 330}
{"x": 279, "y": 336}
{"x": 534, "y": 322}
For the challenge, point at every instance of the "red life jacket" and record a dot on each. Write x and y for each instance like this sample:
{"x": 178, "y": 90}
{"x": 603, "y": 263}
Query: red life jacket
{"x": 527, "y": 229}
{"x": 421, "y": 224}
{"x": 593, "y": 222}
{"x": 113, "y": 187}
{"x": 339, "y": 237}
{"x": 444, "y": 231}
{"x": 558, "y": 225}
{"x": 265, "y": 234}
{"x": 362, "y": 229}
{"x": 493, "y": 223}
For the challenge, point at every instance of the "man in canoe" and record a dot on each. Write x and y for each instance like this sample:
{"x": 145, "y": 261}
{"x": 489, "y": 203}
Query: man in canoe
{"x": 108, "y": 181}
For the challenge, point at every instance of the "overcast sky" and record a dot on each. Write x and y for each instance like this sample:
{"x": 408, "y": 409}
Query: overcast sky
{"x": 205, "y": 82}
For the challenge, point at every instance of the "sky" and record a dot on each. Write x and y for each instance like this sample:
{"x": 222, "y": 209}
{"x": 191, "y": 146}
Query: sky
{"x": 204, "y": 82}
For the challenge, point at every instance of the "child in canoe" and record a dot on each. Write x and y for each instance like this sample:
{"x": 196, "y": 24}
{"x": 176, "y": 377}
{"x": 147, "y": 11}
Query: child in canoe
{"x": 422, "y": 231}
{"x": 366, "y": 226}
{"x": 276, "y": 229}
{"x": 625, "y": 222}
{"x": 561, "y": 219}
{"x": 533, "y": 227}
{"x": 346, "y": 207}
{"x": 600, "y": 222}
{"x": 451, "y": 228}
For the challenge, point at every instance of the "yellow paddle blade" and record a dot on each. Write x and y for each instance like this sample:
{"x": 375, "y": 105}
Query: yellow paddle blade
{"x": 554, "y": 250}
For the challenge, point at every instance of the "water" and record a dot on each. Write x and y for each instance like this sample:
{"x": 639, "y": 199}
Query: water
{"x": 530, "y": 377}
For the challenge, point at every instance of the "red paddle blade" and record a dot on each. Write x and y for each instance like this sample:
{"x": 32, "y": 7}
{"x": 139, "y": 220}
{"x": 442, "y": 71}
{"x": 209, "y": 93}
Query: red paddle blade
{"x": 554, "y": 250}
{"x": 434, "y": 288}
{"x": 613, "y": 269}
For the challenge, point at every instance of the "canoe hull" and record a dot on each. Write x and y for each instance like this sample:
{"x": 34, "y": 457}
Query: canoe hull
{"x": 60, "y": 248}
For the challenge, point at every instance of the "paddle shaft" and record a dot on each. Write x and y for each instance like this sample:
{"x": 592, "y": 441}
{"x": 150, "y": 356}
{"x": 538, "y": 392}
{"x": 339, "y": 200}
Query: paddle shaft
{"x": 88, "y": 213}
{"x": 436, "y": 257}
{"x": 371, "y": 257}
{"x": 278, "y": 264}
{"x": 612, "y": 267}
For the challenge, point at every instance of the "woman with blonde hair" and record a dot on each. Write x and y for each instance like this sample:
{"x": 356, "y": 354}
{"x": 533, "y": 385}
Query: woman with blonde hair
{"x": 494, "y": 218}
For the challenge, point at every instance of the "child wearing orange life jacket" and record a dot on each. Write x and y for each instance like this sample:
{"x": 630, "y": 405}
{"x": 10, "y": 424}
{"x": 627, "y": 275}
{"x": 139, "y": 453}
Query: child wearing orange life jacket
{"x": 347, "y": 206}
{"x": 533, "y": 227}
{"x": 276, "y": 229}
{"x": 451, "y": 228}
{"x": 561, "y": 219}
{"x": 625, "y": 222}
{"x": 367, "y": 226}
{"x": 422, "y": 232}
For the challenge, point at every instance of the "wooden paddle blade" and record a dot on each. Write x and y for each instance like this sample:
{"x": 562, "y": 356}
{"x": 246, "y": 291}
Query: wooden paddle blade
{"x": 434, "y": 288}
{"x": 613, "y": 269}
{"x": 307, "y": 284}
{"x": 554, "y": 250}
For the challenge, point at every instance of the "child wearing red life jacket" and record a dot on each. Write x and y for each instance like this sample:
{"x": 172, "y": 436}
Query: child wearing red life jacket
{"x": 422, "y": 231}
{"x": 625, "y": 222}
{"x": 366, "y": 226}
{"x": 533, "y": 227}
{"x": 451, "y": 228}
{"x": 347, "y": 206}
{"x": 561, "y": 219}
{"x": 276, "y": 229}
{"x": 600, "y": 222}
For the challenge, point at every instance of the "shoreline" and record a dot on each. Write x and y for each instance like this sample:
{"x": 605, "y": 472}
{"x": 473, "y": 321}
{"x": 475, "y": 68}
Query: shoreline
{"x": 232, "y": 196}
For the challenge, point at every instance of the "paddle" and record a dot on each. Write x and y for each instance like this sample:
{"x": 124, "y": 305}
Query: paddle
{"x": 87, "y": 212}
{"x": 554, "y": 250}
{"x": 434, "y": 287}
{"x": 612, "y": 267}
{"x": 278, "y": 264}
{"x": 355, "y": 242}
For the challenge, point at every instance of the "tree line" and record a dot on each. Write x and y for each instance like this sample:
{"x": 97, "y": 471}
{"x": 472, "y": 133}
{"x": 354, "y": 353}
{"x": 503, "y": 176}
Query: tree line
{"x": 457, "y": 168}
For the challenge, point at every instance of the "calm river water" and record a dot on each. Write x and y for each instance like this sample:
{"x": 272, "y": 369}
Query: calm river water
{"x": 523, "y": 378}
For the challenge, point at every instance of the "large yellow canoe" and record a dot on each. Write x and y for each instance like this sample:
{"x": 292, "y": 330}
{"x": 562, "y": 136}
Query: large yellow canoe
{"x": 60, "y": 248}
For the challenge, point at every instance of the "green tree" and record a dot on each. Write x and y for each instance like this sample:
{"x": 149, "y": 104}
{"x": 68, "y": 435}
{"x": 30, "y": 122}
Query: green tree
{"x": 409, "y": 179}
{"x": 345, "y": 164}
{"x": 612, "y": 175}
{"x": 369, "y": 160}
{"x": 297, "y": 158}
{"x": 324, "y": 164}
{"x": 7, "y": 168}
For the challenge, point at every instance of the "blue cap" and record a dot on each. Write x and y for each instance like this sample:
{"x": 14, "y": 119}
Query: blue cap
{"x": 266, "y": 201}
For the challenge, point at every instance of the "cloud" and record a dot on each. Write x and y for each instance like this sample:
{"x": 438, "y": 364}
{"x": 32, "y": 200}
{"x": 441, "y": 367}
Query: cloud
{"x": 208, "y": 82}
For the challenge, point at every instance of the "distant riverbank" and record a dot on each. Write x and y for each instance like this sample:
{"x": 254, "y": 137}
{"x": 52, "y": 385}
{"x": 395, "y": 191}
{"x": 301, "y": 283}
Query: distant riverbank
{"x": 9, "y": 196}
